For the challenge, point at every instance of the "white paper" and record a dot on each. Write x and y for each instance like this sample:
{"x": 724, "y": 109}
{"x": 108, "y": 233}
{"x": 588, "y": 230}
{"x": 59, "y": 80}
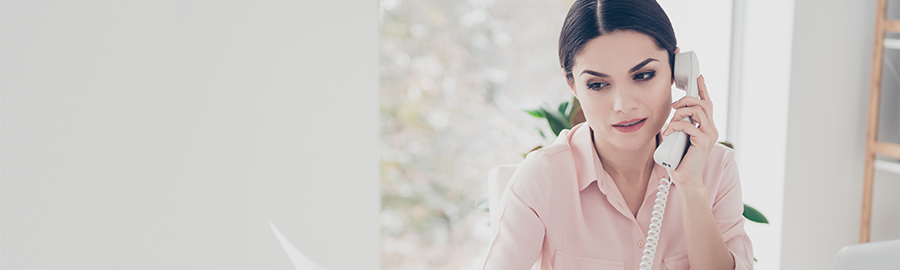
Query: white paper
{"x": 301, "y": 262}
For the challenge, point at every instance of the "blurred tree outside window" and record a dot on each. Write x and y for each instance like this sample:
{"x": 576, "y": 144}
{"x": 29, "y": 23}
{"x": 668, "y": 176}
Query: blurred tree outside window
{"x": 455, "y": 79}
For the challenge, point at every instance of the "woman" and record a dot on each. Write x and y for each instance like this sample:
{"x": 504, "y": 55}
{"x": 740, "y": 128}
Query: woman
{"x": 585, "y": 201}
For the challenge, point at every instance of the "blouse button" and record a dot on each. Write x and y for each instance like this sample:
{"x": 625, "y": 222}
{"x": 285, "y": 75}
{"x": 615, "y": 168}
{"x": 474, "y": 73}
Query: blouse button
{"x": 641, "y": 243}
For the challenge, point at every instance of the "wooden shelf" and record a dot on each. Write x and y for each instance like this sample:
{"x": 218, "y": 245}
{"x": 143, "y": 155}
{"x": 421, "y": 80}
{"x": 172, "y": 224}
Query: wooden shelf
{"x": 887, "y": 149}
{"x": 873, "y": 146}
{"x": 892, "y": 26}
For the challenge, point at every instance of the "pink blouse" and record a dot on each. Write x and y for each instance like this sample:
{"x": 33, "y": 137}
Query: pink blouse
{"x": 564, "y": 211}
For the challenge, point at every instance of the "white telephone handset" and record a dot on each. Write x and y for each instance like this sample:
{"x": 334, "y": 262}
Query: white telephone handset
{"x": 671, "y": 151}
{"x": 673, "y": 148}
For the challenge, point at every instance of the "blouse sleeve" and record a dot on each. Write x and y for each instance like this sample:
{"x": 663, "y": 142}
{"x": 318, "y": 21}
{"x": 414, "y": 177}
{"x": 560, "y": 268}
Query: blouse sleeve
{"x": 520, "y": 233}
{"x": 728, "y": 208}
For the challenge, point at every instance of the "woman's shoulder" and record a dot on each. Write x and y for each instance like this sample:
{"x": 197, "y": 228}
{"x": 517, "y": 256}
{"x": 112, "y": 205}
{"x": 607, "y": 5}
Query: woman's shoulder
{"x": 540, "y": 175}
{"x": 721, "y": 169}
{"x": 538, "y": 164}
{"x": 721, "y": 155}
{"x": 567, "y": 140}
{"x": 553, "y": 161}
{"x": 548, "y": 157}
{"x": 562, "y": 144}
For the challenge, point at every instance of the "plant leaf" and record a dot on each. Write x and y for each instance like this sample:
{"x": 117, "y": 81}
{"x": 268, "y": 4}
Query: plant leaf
{"x": 754, "y": 215}
{"x": 484, "y": 204}
{"x": 574, "y": 112}
{"x": 562, "y": 107}
{"x": 727, "y": 144}
{"x": 536, "y": 113}
{"x": 532, "y": 150}
{"x": 557, "y": 121}
{"x": 575, "y": 105}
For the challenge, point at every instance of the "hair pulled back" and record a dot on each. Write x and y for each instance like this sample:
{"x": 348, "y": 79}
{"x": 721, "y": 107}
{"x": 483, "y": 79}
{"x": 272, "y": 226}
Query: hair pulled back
{"x": 588, "y": 19}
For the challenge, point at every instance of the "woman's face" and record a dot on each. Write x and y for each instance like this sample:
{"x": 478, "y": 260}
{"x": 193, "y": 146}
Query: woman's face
{"x": 623, "y": 82}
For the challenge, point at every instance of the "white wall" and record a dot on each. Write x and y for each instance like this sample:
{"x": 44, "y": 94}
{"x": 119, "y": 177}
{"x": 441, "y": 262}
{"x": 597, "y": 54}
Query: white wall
{"x": 764, "y": 69}
{"x": 164, "y": 134}
{"x": 830, "y": 73}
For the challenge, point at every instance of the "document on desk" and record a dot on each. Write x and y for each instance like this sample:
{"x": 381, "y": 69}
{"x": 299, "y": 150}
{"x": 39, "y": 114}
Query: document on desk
{"x": 301, "y": 262}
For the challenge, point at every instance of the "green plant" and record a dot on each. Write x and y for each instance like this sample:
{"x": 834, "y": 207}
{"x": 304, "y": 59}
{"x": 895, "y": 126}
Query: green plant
{"x": 568, "y": 114}
{"x": 565, "y": 116}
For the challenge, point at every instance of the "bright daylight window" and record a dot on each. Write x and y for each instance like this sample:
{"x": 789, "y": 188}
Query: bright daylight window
{"x": 456, "y": 77}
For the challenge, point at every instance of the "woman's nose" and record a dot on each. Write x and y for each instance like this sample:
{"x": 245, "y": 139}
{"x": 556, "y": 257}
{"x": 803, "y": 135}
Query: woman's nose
{"x": 623, "y": 102}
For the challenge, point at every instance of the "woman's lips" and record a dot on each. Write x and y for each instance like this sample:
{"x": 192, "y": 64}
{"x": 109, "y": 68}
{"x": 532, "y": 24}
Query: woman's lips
{"x": 630, "y": 125}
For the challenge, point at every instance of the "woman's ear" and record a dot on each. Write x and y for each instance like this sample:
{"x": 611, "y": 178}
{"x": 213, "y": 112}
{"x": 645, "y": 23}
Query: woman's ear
{"x": 677, "y": 50}
{"x": 570, "y": 82}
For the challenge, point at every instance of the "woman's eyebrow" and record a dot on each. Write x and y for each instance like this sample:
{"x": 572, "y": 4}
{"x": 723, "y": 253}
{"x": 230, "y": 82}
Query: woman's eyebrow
{"x": 641, "y": 64}
{"x": 632, "y": 70}
{"x": 598, "y": 74}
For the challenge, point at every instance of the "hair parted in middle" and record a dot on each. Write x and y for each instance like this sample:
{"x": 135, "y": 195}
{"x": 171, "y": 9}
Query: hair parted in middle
{"x": 588, "y": 19}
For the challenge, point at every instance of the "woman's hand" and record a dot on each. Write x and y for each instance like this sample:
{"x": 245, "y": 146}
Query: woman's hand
{"x": 703, "y": 135}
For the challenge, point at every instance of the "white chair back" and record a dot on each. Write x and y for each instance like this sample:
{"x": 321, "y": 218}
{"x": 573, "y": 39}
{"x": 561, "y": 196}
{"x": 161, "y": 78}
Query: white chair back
{"x": 876, "y": 255}
{"x": 498, "y": 180}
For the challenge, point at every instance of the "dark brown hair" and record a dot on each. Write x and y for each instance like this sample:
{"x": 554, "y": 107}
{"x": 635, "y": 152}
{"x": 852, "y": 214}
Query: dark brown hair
{"x": 588, "y": 19}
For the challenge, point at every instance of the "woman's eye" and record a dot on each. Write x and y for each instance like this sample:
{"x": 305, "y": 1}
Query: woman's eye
{"x": 645, "y": 75}
{"x": 596, "y": 85}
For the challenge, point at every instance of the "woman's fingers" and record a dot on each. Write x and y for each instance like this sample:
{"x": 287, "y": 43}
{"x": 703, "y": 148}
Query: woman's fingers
{"x": 701, "y": 85}
{"x": 680, "y": 114}
{"x": 687, "y": 128}
{"x": 688, "y": 101}
{"x": 700, "y": 118}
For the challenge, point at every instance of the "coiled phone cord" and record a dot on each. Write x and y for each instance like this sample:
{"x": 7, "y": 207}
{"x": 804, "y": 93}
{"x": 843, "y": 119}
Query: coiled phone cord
{"x": 656, "y": 223}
